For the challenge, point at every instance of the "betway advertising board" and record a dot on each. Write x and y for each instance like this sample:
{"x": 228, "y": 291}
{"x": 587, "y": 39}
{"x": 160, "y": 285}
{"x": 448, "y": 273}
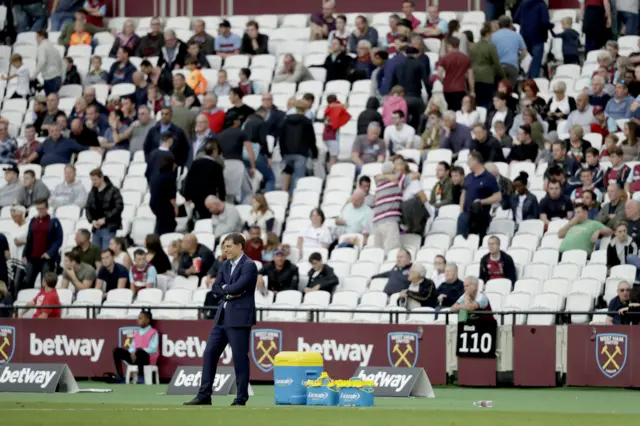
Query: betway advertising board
{"x": 88, "y": 345}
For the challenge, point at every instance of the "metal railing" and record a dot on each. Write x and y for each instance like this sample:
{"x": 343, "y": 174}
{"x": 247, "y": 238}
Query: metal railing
{"x": 314, "y": 314}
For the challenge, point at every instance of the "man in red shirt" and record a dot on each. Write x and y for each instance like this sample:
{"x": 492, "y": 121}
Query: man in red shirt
{"x": 255, "y": 245}
{"x": 214, "y": 114}
{"x": 454, "y": 69}
{"x": 48, "y": 296}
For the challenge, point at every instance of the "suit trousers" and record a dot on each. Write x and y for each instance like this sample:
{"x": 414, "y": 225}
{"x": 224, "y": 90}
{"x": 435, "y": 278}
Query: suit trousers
{"x": 220, "y": 336}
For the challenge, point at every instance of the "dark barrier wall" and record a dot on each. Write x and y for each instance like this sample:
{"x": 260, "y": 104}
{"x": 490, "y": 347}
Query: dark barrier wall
{"x": 597, "y": 356}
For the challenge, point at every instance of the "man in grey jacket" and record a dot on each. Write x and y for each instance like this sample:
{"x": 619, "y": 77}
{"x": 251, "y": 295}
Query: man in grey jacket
{"x": 32, "y": 190}
{"x": 225, "y": 217}
{"x": 49, "y": 63}
{"x": 10, "y": 192}
{"x": 70, "y": 191}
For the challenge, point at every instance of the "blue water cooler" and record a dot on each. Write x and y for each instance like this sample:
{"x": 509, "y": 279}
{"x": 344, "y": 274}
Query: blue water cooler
{"x": 291, "y": 371}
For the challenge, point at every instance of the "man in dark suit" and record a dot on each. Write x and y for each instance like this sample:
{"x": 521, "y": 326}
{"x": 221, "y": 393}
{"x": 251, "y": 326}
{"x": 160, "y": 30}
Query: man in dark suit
{"x": 412, "y": 75}
{"x": 205, "y": 178}
{"x": 157, "y": 155}
{"x": 235, "y": 285}
{"x": 274, "y": 117}
{"x": 180, "y": 147}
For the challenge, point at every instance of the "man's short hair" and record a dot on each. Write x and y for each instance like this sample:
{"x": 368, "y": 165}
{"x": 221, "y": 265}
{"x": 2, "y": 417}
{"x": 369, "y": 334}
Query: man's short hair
{"x": 457, "y": 169}
{"x": 504, "y": 21}
{"x": 616, "y": 150}
{"x": 42, "y": 201}
{"x": 453, "y": 42}
{"x": 399, "y": 113}
{"x": 364, "y": 179}
{"x": 29, "y": 173}
{"x": 237, "y": 91}
{"x": 593, "y": 151}
{"x": 108, "y": 250}
{"x": 235, "y": 238}
{"x": 139, "y": 252}
{"x": 309, "y": 97}
{"x": 581, "y": 206}
{"x": 85, "y": 233}
{"x": 476, "y": 156}
{"x": 446, "y": 165}
{"x": 526, "y": 128}
{"x": 73, "y": 256}
{"x": 494, "y": 238}
{"x": 315, "y": 256}
{"x": 96, "y": 173}
{"x": 50, "y": 279}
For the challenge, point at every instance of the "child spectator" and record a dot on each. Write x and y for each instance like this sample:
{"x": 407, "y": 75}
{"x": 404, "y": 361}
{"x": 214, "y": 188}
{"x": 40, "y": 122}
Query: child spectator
{"x": 80, "y": 35}
{"x": 610, "y": 142}
{"x": 155, "y": 100}
{"x": 196, "y": 80}
{"x": 72, "y": 76}
{"x": 501, "y": 134}
{"x": 96, "y": 74}
{"x": 335, "y": 116}
{"x": 570, "y": 41}
{"x": 600, "y": 123}
{"x": 173, "y": 251}
{"x": 248, "y": 87}
{"x": 457, "y": 178}
{"x": 20, "y": 71}
{"x": 341, "y": 30}
{"x": 48, "y": 296}
{"x": 142, "y": 274}
{"x": 273, "y": 242}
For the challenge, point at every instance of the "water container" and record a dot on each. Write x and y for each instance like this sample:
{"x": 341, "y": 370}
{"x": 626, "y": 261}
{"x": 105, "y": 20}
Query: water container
{"x": 290, "y": 372}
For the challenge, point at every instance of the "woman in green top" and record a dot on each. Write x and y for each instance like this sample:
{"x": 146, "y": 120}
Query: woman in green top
{"x": 486, "y": 67}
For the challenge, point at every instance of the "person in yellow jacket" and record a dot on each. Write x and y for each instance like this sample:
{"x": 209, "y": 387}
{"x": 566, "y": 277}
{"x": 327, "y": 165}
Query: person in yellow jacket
{"x": 80, "y": 35}
{"x": 196, "y": 80}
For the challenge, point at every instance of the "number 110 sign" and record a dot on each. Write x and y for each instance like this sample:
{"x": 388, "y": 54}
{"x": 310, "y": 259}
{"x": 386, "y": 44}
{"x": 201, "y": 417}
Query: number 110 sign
{"x": 477, "y": 339}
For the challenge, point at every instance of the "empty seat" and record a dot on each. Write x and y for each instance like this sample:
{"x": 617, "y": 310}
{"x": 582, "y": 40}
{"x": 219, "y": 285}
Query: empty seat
{"x": 531, "y": 286}
{"x": 366, "y": 317}
{"x": 577, "y": 257}
{"x": 499, "y": 285}
{"x": 354, "y": 283}
{"x": 626, "y": 272}
{"x": 579, "y": 302}
{"x": 374, "y": 298}
{"x": 289, "y": 297}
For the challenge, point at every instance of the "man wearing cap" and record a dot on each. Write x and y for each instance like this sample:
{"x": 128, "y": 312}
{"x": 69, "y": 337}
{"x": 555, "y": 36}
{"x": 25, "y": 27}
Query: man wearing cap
{"x": 281, "y": 274}
{"x": 12, "y": 189}
{"x": 227, "y": 43}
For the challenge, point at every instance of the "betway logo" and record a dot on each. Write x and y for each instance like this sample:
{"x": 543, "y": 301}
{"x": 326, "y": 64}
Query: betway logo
{"x": 191, "y": 347}
{"x": 193, "y": 380}
{"x": 383, "y": 379}
{"x": 27, "y": 376}
{"x": 61, "y": 345}
{"x": 333, "y": 351}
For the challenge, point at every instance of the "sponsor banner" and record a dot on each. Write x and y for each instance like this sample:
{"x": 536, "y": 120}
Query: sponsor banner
{"x": 88, "y": 346}
{"x": 37, "y": 378}
{"x": 186, "y": 381}
{"x": 397, "y": 382}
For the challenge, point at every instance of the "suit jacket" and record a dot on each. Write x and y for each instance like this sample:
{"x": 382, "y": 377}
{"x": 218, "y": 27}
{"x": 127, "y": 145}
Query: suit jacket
{"x": 153, "y": 162}
{"x": 180, "y": 147}
{"x": 411, "y": 75}
{"x": 238, "y": 290}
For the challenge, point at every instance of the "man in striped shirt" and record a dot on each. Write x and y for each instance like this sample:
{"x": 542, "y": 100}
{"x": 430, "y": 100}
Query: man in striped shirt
{"x": 387, "y": 211}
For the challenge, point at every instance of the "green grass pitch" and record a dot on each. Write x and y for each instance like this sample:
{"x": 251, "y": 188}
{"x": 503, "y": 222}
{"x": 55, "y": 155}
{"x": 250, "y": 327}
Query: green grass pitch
{"x": 138, "y": 405}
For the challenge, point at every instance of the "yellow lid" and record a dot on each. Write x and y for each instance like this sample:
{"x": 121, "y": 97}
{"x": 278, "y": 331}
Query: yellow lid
{"x": 298, "y": 359}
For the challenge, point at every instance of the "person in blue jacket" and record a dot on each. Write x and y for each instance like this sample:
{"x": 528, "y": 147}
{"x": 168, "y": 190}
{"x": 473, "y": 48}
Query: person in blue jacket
{"x": 533, "y": 17}
{"x": 389, "y": 67}
{"x": 42, "y": 248}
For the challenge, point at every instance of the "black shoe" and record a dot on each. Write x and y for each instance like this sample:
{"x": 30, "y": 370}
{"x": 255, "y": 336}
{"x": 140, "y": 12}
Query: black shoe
{"x": 239, "y": 403}
{"x": 196, "y": 401}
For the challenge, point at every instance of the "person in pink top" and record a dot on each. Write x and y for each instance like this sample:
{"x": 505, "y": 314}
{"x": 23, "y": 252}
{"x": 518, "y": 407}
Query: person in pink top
{"x": 394, "y": 102}
{"x": 141, "y": 349}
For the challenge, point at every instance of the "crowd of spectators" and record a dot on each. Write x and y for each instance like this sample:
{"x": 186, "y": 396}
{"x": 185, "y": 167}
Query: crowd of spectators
{"x": 478, "y": 101}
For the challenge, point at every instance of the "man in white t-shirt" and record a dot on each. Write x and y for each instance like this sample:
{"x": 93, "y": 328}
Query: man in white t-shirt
{"x": 399, "y": 135}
